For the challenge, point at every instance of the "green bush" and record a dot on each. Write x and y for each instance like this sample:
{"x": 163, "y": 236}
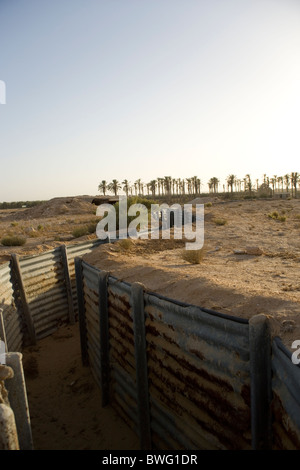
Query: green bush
{"x": 13, "y": 240}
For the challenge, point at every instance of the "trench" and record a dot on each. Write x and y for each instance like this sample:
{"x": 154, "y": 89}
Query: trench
{"x": 64, "y": 400}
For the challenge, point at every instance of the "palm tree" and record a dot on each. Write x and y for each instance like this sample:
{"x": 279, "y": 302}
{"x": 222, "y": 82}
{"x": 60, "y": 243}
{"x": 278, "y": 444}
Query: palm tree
{"x": 294, "y": 181}
{"x": 168, "y": 184}
{"x": 248, "y": 184}
{"x": 287, "y": 182}
{"x": 103, "y": 187}
{"x": 195, "y": 183}
{"x": 126, "y": 187}
{"x": 160, "y": 186}
{"x": 152, "y": 187}
{"x": 189, "y": 185}
{"x": 280, "y": 181}
{"x": 114, "y": 186}
{"x": 274, "y": 182}
{"x": 231, "y": 179}
{"x": 140, "y": 186}
{"x": 213, "y": 184}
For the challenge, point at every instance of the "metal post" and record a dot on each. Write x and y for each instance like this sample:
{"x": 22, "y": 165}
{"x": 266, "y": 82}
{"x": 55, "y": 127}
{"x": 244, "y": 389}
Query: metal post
{"x": 68, "y": 284}
{"x": 2, "y": 330}
{"x": 22, "y": 294}
{"x": 17, "y": 394}
{"x": 104, "y": 336}
{"x": 261, "y": 387}
{"x": 81, "y": 312}
{"x": 137, "y": 294}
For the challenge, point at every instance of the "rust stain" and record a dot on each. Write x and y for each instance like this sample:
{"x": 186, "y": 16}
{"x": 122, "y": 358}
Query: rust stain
{"x": 285, "y": 435}
{"x": 199, "y": 371}
{"x": 229, "y": 437}
{"x": 246, "y": 394}
{"x": 213, "y": 400}
{"x": 124, "y": 299}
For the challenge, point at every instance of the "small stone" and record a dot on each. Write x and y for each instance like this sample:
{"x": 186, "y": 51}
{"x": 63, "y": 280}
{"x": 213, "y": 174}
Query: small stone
{"x": 239, "y": 252}
{"x": 254, "y": 250}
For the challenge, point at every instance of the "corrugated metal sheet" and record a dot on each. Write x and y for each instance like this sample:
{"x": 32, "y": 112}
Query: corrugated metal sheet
{"x": 91, "y": 299}
{"x": 199, "y": 379}
{"x": 286, "y": 401}
{"x": 11, "y": 317}
{"x": 198, "y": 368}
{"x": 121, "y": 351}
{"x": 44, "y": 283}
{"x": 45, "y": 288}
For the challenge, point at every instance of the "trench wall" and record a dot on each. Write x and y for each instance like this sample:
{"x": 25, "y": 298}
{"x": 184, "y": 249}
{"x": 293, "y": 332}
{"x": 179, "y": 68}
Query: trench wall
{"x": 181, "y": 376}
{"x": 185, "y": 377}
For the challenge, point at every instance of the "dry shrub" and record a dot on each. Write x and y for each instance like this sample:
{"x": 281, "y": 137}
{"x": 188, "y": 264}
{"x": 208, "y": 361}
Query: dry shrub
{"x": 220, "y": 221}
{"x": 193, "y": 256}
{"x": 80, "y": 232}
{"x": 13, "y": 240}
{"x": 125, "y": 244}
{"x": 275, "y": 215}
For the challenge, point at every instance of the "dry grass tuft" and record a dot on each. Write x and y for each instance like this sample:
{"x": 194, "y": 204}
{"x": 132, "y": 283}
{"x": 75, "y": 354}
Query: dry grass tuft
{"x": 220, "y": 221}
{"x": 13, "y": 240}
{"x": 193, "y": 256}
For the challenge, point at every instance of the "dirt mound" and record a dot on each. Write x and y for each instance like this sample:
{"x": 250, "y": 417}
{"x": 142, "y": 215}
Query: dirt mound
{"x": 55, "y": 207}
{"x": 204, "y": 200}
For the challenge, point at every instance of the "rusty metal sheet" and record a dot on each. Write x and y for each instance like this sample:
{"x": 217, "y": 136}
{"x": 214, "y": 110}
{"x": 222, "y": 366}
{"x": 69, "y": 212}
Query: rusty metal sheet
{"x": 11, "y": 316}
{"x": 199, "y": 376}
{"x": 121, "y": 350}
{"x": 285, "y": 403}
{"x": 45, "y": 288}
{"x": 78, "y": 250}
{"x": 90, "y": 285}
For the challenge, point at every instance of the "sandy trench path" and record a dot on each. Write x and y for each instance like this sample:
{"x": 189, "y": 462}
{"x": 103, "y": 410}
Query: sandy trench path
{"x": 65, "y": 401}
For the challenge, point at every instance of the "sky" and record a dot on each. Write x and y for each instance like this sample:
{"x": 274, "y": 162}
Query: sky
{"x": 127, "y": 89}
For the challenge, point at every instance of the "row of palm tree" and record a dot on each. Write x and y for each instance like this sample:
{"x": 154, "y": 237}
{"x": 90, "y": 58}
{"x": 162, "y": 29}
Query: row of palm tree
{"x": 288, "y": 182}
{"x": 192, "y": 186}
{"x": 160, "y": 186}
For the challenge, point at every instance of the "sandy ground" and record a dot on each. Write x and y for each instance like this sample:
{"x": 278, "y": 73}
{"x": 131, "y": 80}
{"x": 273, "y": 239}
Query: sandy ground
{"x": 48, "y": 225}
{"x": 250, "y": 266}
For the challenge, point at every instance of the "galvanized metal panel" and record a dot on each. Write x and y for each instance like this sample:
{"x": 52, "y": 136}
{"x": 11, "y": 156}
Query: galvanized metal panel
{"x": 78, "y": 250}
{"x": 121, "y": 351}
{"x": 198, "y": 366}
{"x": 286, "y": 403}
{"x": 45, "y": 288}
{"x": 198, "y": 371}
{"x": 90, "y": 286}
{"x": 11, "y": 317}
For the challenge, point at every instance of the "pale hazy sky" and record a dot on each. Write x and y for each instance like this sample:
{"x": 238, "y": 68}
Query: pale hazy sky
{"x": 103, "y": 89}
